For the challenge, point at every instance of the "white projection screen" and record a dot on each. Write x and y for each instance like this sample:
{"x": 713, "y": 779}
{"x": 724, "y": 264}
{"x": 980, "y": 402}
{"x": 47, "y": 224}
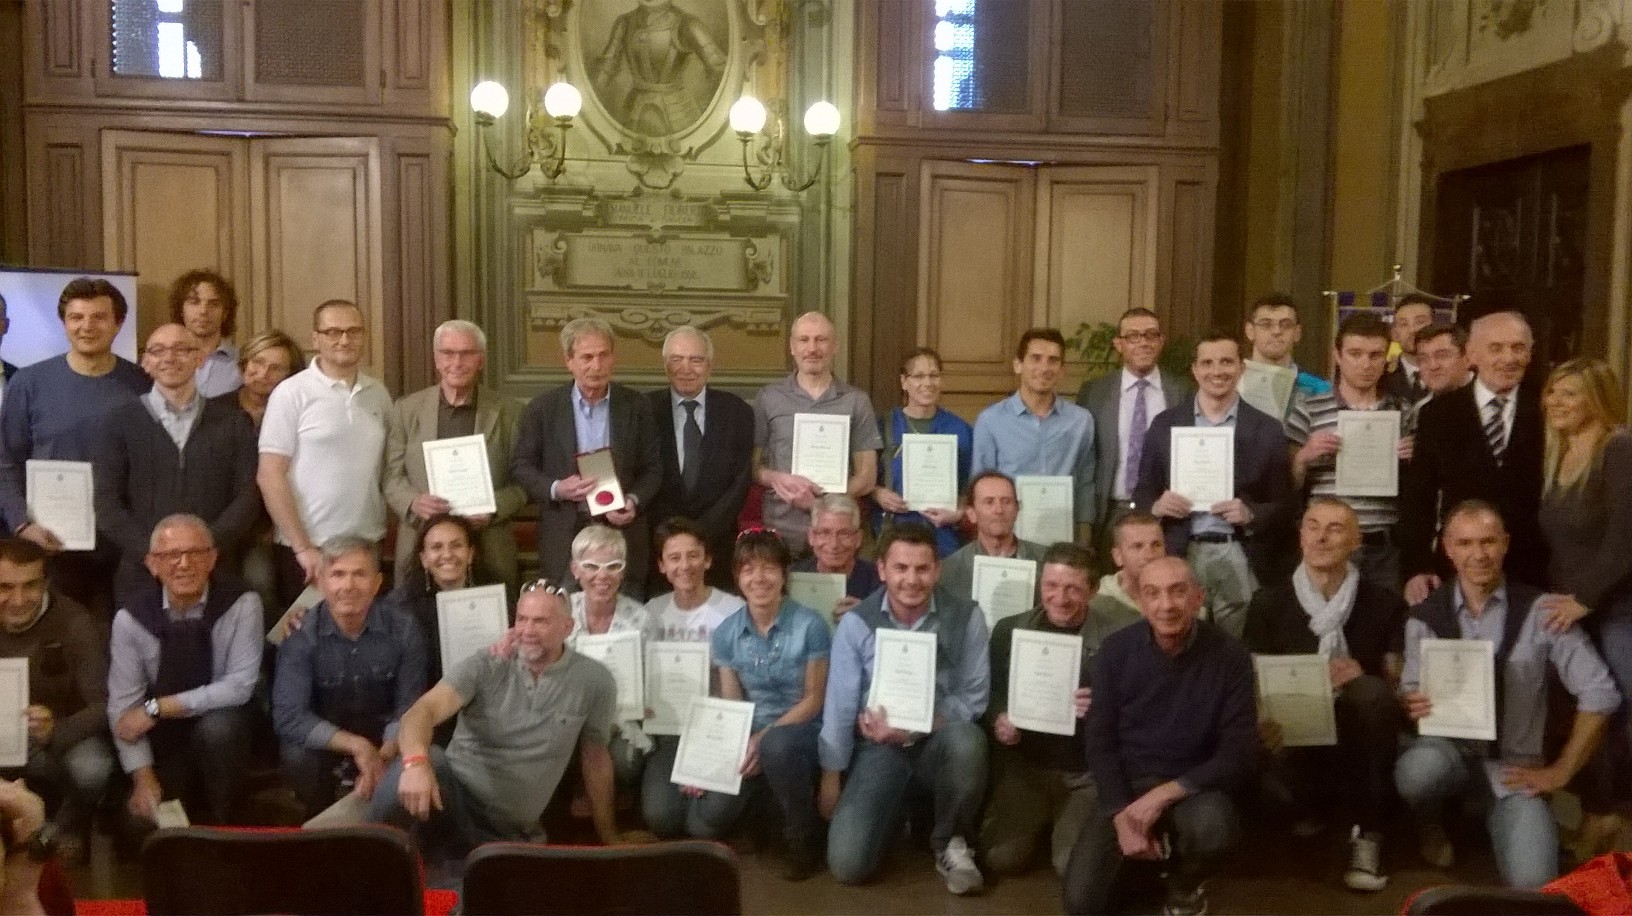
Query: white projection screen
{"x": 31, "y": 304}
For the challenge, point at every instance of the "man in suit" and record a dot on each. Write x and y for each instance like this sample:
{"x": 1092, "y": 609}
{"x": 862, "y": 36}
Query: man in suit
{"x": 1442, "y": 359}
{"x": 693, "y": 421}
{"x": 1123, "y": 404}
{"x": 591, "y": 413}
{"x": 1227, "y": 543}
{"x": 1481, "y": 441}
{"x": 7, "y": 370}
{"x": 1406, "y": 380}
{"x": 457, "y": 405}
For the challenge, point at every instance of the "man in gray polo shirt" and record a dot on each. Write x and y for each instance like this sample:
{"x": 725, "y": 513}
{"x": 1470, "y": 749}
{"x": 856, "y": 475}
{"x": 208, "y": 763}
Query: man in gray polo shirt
{"x": 811, "y": 388}
{"x": 521, "y": 718}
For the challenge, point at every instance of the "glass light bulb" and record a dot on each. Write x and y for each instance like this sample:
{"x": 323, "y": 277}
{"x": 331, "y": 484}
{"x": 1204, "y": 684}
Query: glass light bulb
{"x": 489, "y": 98}
{"x": 822, "y": 119}
{"x": 747, "y": 115}
{"x": 563, "y": 100}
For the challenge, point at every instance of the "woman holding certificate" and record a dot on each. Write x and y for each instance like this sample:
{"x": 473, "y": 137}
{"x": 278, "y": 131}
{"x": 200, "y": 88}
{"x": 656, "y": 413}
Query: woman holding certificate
{"x": 922, "y": 476}
{"x": 446, "y": 554}
{"x": 612, "y": 628}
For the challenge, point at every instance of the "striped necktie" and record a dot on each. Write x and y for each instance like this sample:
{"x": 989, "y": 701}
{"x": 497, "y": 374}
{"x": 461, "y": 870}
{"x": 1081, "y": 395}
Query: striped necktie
{"x": 1495, "y": 428}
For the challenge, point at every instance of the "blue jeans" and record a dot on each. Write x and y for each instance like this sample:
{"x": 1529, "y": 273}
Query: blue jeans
{"x": 787, "y": 762}
{"x": 1522, "y": 832}
{"x": 950, "y": 765}
{"x": 458, "y": 827}
{"x": 1614, "y": 632}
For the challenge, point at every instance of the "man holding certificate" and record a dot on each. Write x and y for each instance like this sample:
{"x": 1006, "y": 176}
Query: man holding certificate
{"x": 421, "y": 483}
{"x": 1221, "y": 507}
{"x": 992, "y": 505}
{"x": 1273, "y": 329}
{"x": 1503, "y": 695}
{"x": 835, "y": 548}
{"x": 939, "y": 673}
{"x": 1353, "y": 631}
{"x": 1041, "y": 783}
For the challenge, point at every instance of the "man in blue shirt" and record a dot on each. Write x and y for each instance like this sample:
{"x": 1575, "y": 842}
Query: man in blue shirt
{"x": 1034, "y": 432}
{"x": 948, "y": 763}
{"x": 344, "y": 679}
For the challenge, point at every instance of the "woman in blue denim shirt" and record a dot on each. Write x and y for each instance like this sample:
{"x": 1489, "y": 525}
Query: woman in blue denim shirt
{"x": 921, "y": 412}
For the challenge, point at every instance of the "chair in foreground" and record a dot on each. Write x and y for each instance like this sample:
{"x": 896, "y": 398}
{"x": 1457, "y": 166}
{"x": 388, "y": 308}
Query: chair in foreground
{"x": 684, "y": 878}
{"x": 360, "y": 871}
{"x": 1464, "y": 900}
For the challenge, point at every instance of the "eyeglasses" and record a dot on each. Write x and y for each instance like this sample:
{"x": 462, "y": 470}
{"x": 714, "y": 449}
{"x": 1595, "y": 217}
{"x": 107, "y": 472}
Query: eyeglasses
{"x": 1271, "y": 324}
{"x": 842, "y": 534}
{"x": 174, "y": 557}
{"x": 449, "y": 354}
{"x": 162, "y": 352}
{"x": 696, "y": 362}
{"x": 591, "y": 567}
{"x": 924, "y": 377}
{"x": 544, "y": 585}
{"x": 333, "y": 335}
{"x": 1141, "y": 336}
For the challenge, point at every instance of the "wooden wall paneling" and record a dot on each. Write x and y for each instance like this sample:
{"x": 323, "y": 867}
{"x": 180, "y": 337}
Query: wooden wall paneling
{"x": 64, "y": 200}
{"x": 1194, "y": 64}
{"x": 1163, "y": 63}
{"x": 367, "y": 92}
{"x": 1184, "y": 285}
{"x": 1096, "y": 243}
{"x": 58, "y": 60}
{"x": 143, "y": 229}
{"x": 415, "y": 54}
{"x": 13, "y": 199}
{"x": 885, "y": 314}
{"x": 885, "y": 64}
{"x": 416, "y": 281}
{"x": 106, "y": 84}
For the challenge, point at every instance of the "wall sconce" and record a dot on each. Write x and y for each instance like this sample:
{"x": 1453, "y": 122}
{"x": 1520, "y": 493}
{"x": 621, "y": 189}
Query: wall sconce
{"x": 546, "y": 139}
{"x": 748, "y": 120}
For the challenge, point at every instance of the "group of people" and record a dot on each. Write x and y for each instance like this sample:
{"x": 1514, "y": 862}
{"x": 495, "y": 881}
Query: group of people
{"x": 227, "y": 482}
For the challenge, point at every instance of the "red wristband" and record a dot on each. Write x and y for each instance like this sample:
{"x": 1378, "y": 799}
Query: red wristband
{"x": 415, "y": 760}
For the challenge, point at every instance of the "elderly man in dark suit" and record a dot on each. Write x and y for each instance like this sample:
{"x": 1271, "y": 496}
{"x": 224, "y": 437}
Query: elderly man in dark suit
{"x": 1123, "y": 404}
{"x": 457, "y": 405}
{"x": 590, "y": 414}
{"x": 1227, "y": 543}
{"x": 1481, "y": 441}
{"x": 707, "y": 439}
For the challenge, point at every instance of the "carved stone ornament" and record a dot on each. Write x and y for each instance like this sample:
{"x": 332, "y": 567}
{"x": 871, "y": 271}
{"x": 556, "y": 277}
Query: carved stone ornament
{"x": 653, "y": 322}
{"x": 1595, "y": 23}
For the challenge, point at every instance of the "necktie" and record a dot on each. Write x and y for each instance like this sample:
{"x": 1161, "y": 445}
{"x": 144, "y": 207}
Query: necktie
{"x": 691, "y": 458}
{"x": 1136, "y": 435}
{"x": 1495, "y": 429}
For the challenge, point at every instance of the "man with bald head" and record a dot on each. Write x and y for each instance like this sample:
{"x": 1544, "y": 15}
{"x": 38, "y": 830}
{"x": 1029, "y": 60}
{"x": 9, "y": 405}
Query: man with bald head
{"x": 1481, "y": 441}
{"x": 811, "y": 388}
{"x": 181, "y": 453}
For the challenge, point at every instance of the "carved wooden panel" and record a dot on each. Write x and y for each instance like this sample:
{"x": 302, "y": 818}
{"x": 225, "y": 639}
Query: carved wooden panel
{"x": 892, "y": 289}
{"x": 64, "y": 202}
{"x": 418, "y": 276}
{"x": 1110, "y": 67}
{"x": 1185, "y": 281}
{"x": 1096, "y": 244}
{"x": 313, "y": 51}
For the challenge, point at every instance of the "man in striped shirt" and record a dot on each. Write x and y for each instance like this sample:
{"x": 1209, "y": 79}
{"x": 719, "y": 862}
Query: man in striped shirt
{"x": 1311, "y": 431}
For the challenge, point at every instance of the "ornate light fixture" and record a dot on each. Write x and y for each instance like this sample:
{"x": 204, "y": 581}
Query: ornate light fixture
{"x": 748, "y": 120}
{"x": 546, "y": 136}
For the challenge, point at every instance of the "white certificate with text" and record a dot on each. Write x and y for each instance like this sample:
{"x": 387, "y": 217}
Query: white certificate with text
{"x": 1044, "y": 671}
{"x": 1003, "y": 587}
{"x": 929, "y": 471}
{"x": 621, "y": 653}
{"x": 676, "y": 674}
{"x": 13, "y": 712}
{"x": 713, "y": 743}
{"x": 468, "y": 620}
{"x": 904, "y": 679}
{"x": 1046, "y": 509}
{"x": 457, "y": 470}
{"x": 821, "y": 450}
{"x": 1459, "y": 678}
{"x": 1267, "y": 386}
{"x": 1202, "y": 466}
{"x": 60, "y": 500}
{"x": 1368, "y": 464}
{"x": 819, "y": 591}
{"x": 1296, "y": 692}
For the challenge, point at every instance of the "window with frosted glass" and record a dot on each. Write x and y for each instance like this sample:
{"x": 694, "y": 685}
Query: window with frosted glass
{"x": 167, "y": 39}
{"x": 979, "y": 59}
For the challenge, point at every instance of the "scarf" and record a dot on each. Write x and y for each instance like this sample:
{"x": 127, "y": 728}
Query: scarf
{"x": 1326, "y": 618}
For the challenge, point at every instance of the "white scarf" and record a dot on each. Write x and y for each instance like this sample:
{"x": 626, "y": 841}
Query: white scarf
{"x": 1327, "y": 618}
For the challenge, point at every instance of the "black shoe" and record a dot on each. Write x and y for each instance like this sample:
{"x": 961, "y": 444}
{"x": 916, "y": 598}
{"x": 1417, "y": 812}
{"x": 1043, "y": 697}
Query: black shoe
{"x": 800, "y": 862}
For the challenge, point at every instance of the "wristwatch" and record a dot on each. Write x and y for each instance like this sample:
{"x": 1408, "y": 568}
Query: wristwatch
{"x": 151, "y": 707}
{"x": 41, "y": 845}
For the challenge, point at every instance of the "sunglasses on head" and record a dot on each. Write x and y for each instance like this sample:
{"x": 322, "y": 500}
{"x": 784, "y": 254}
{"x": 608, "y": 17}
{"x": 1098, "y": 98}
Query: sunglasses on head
{"x": 548, "y": 587}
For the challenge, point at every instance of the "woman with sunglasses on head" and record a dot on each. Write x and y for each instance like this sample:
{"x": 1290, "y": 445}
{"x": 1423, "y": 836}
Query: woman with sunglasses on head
{"x": 599, "y": 558}
{"x": 921, "y": 412}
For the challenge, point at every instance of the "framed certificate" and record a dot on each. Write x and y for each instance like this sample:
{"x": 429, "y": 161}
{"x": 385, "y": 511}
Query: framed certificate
{"x": 1202, "y": 466}
{"x": 819, "y": 591}
{"x": 1267, "y": 387}
{"x": 904, "y": 679}
{"x": 1368, "y": 464}
{"x": 1296, "y": 692}
{"x": 713, "y": 744}
{"x": 929, "y": 471}
{"x": 621, "y": 653}
{"x": 821, "y": 450}
{"x": 1459, "y": 678}
{"x": 608, "y": 493}
{"x": 469, "y": 620}
{"x": 457, "y": 470}
{"x": 1046, "y": 509}
{"x": 60, "y": 500}
{"x": 1044, "y": 671}
{"x": 13, "y": 712}
{"x": 676, "y": 675}
{"x": 1003, "y": 587}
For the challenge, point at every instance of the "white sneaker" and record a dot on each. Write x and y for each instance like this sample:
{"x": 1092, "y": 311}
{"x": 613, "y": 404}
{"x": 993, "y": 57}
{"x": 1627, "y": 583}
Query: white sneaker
{"x": 957, "y": 867}
{"x": 1365, "y": 862}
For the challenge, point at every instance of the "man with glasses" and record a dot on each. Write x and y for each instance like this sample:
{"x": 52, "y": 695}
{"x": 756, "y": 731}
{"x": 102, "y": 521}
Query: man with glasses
{"x": 707, "y": 438}
{"x": 183, "y": 662}
{"x": 322, "y": 449}
{"x": 180, "y": 453}
{"x": 1273, "y": 329}
{"x": 1442, "y": 358}
{"x": 835, "y": 547}
{"x": 1405, "y": 381}
{"x": 457, "y": 405}
{"x": 1123, "y": 404}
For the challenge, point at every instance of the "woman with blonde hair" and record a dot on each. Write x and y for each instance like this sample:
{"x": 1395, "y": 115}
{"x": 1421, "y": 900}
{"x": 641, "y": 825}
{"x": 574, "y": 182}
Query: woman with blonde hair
{"x": 268, "y": 359}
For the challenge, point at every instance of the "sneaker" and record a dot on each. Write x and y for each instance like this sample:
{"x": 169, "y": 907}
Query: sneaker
{"x": 1193, "y": 903}
{"x": 957, "y": 867}
{"x": 1436, "y": 846}
{"x": 1365, "y": 862}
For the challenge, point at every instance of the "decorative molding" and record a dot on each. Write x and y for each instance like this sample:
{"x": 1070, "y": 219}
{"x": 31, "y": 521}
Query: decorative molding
{"x": 653, "y": 322}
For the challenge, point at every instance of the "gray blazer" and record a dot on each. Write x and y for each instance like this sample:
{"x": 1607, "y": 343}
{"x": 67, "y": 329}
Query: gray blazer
{"x": 413, "y": 423}
{"x": 1102, "y": 397}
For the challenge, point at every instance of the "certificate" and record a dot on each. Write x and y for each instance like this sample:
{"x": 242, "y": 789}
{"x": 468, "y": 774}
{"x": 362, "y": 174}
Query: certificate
{"x": 1459, "y": 678}
{"x": 904, "y": 679}
{"x": 1202, "y": 466}
{"x": 1296, "y": 692}
{"x": 713, "y": 744}
{"x": 1003, "y": 587}
{"x": 821, "y": 450}
{"x": 469, "y": 620}
{"x": 1267, "y": 387}
{"x": 13, "y": 712}
{"x": 305, "y": 601}
{"x": 1368, "y": 464}
{"x": 170, "y": 814}
{"x": 676, "y": 675}
{"x": 1046, "y": 509}
{"x": 620, "y": 653}
{"x": 821, "y": 592}
{"x": 60, "y": 501}
{"x": 929, "y": 471}
{"x": 457, "y": 470}
{"x": 608, "y": 493}
{"x": 1044, "y": 672}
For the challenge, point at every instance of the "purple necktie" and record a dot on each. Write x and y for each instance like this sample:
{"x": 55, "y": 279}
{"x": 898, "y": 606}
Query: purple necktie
{"x": 1136, "y": 435}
